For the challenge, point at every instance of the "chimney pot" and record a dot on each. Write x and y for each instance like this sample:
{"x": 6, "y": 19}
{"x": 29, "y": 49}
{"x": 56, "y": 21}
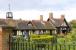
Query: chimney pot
{"x": 41, "y": 17}
{"x": 62, "y": 17}
{"x": 50, "y": 15}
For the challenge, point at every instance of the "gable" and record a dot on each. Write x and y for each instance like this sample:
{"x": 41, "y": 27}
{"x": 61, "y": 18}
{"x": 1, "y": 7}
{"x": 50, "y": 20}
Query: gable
{"x": 64, "y": 24}
{"x": 58, "y": 22}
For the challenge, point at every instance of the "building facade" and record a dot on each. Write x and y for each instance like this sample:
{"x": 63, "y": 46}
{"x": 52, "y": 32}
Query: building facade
{"x": 10, "y": 27}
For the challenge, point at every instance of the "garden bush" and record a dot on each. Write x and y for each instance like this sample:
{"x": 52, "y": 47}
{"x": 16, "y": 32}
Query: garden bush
{"x": 41, "y": 39}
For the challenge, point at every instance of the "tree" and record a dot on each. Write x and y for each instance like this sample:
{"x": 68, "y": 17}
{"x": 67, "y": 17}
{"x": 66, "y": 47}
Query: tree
{"x": 73, "y": 23}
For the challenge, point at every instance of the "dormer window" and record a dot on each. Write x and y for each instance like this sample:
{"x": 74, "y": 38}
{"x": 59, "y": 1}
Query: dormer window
{"x": 29, "y": 23}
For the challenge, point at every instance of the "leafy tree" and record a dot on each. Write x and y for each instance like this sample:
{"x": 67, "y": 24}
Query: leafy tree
{"x": 73, "y": 23}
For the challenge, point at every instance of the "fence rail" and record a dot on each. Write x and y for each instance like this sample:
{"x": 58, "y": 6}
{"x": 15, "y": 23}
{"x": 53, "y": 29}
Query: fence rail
{"x": 40, "y": 46}
{"x": 23, "y": 44}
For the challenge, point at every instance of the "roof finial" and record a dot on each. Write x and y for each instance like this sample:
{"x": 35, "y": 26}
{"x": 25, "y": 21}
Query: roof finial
{"x": 9, "y": 6}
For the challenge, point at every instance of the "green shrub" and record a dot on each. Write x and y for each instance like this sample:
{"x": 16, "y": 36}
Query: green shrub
{"x": 61, "y": 40}
{"x": 66, "y": 38}
{"x": 40, "y": 38}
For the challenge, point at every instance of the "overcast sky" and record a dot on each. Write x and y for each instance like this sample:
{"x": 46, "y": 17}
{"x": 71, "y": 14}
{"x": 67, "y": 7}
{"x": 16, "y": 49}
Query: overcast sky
{"x": 31, "y": 9}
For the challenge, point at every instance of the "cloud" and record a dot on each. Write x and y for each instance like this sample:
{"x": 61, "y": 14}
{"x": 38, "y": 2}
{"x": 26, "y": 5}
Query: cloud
{"x": 70, "y": 14}
{"x": 35, "y": 14}
{"x": 31, "y": 9}
{"x": 36, "y": 4}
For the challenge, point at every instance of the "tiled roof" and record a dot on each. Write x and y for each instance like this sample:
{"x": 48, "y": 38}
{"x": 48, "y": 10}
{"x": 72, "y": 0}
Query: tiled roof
{"x": 24, "y": 25}
{"x": 49, "y": 25}
{"x": 38, "y": 25}
{"x": 43, "y": 25}
{"x": 56, "y": 22}
{"x": 21, "y": 24}
{"x": 3, "y": 23}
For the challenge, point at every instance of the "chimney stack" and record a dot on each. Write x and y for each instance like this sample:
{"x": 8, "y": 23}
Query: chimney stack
{"x": 41, "y": 17}
{"x": 62, "y": 17}
{"x": 50, "y": 15}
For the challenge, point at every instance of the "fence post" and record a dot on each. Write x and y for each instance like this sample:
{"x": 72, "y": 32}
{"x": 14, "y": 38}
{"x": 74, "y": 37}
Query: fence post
{"x": 69, "y": 47}
{"x": 9, "y": 42}
{"x": 64, "y": 45}
{"x": 60, "y": 46}
{"x": 56, "y": 41}
{"x": 73, "y": 45}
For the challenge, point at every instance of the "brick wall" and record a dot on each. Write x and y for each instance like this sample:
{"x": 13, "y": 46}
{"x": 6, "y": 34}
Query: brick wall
{"x": 0, "y": 38}
{"x": 4, "y": 38}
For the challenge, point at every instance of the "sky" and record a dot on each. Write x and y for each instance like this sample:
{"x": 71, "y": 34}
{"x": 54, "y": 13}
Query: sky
{"x": 31, "y": 9}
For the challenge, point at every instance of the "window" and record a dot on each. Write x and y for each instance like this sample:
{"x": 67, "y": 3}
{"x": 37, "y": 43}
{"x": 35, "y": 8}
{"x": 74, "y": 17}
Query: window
{"x": 15, "y": 33}
{"x": 41, "y": 32}
{"x": 29, "y": 25}
{"x": 63, "y": 28}
{"x": 37, "y": 31}
{"x": 19, "y": 32}
{"x": 26, "y": 34}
